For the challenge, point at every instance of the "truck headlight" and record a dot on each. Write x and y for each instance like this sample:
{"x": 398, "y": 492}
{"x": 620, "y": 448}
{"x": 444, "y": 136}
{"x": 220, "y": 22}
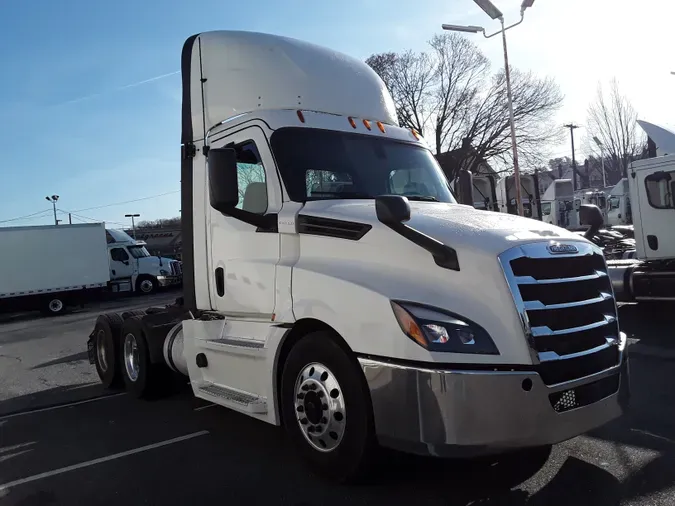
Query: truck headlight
{"x": 439, "y": 330}
{"x": 164, "y": 272}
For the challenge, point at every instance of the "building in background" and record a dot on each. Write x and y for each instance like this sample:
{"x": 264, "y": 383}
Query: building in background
{"x": 165, "y": 242}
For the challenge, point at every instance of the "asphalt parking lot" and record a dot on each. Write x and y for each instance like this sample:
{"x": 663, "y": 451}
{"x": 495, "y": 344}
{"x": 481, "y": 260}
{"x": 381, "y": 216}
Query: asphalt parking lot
{"x": 73, "y": 443}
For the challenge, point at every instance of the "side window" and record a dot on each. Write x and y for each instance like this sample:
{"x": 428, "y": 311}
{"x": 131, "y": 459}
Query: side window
{"x": 251, "y": 179}
{"x": 546, "y": 208}
{"x": 320, "y": 183}
{"x": 659, "y": 190}
{"x": 614, "y": 202}
{"x": 119, "y": 255}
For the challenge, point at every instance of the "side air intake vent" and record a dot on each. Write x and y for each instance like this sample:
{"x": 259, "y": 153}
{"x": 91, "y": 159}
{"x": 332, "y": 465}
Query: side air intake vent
{"x": 329, "y": 227}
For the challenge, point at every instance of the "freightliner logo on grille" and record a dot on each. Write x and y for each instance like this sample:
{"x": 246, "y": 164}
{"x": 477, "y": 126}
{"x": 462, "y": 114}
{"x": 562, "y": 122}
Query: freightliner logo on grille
{"x": 558, "y": 248}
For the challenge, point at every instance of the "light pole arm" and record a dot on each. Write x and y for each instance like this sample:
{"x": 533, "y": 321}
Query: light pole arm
{"x": 522, "y": 17}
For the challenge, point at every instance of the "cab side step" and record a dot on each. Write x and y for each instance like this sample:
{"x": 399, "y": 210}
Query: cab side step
{"x": 243, "y": 401}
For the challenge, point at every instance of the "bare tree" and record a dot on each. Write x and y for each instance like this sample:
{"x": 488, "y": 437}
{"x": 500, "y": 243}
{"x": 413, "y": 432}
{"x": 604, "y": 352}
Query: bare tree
{"x": 613, "y": 120}
{"x": 450, "y": 97}
{"x": 160, "y": 223}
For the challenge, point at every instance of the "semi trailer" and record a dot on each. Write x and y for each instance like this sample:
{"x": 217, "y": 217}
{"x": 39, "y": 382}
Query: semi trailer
{"x": 333, "y": 286}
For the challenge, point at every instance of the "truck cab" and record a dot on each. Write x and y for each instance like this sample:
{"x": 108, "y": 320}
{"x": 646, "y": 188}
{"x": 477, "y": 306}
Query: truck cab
{"x": 618, "y": 205}
{"x": 333, "y": 285}
{"x": 558, "y": 205}
{"x": 133, "y": 268}
{"x": 596, "y": 198}
{"x": 506, "y": 195}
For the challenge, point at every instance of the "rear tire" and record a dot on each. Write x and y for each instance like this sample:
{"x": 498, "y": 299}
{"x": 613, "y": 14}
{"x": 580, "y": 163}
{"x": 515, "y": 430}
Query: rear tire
{"x": 142, "y": 378}
{"x": 106, "y": 357}
{"x": 326, "y": 409}
{"x": 54, "y": 306}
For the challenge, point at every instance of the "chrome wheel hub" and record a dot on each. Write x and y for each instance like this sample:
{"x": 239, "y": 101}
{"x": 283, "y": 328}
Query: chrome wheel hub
{"x": 101, "y": 351}
{"x": 55, "y": 305}
{"x": 320, "y": 407}
{"x": 146, "y": 285}
{"x": 131, "y": 357}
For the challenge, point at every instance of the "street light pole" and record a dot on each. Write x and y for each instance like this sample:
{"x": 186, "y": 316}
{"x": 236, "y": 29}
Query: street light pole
{"x": 133, "y": 223}
{"x": 495, "y": 13}
{"x": 53, "y": 199}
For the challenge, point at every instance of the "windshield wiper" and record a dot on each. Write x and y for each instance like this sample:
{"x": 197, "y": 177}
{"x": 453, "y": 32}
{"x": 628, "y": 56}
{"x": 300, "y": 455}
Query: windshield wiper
{"x": 422, "y": 198}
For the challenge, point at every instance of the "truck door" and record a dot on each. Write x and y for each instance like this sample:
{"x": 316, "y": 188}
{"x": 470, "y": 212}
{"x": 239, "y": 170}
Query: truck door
{"x": 121, "y": 264}
{"x": 243, "y": 257}
{"x": 656, "y": 202}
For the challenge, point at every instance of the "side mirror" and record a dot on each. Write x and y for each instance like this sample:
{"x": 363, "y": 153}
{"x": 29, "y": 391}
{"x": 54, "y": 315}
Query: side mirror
{"x": 223, "y": 186}
{"x": 465, "y": 183}
{"x": 592, "y": 216}
{"x": 392, "y": 209}
{"x": 125, "y": 262}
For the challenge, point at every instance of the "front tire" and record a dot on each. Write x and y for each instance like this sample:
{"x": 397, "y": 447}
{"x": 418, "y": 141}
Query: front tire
{"x": 146, "y": 285}
{"x": 326, "y": 409}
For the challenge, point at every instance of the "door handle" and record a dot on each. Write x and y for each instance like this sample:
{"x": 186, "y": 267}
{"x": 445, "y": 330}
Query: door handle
{"x": 220, "y": 281}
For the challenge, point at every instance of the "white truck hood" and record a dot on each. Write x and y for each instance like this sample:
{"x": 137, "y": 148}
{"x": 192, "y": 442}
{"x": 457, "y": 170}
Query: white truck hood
{"x": 456, "y": 225}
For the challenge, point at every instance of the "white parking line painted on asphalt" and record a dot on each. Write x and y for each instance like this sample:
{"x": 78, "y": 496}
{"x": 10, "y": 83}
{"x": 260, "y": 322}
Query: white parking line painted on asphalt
{"x": 205, "y": 407}
{"x": 61, "y": 406}
{"x": 651, "y": 434}
{"x": 16, "y": 483}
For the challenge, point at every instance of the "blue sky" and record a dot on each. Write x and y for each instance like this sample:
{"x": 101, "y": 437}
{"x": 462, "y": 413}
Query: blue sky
{"x": 73, "y": 125}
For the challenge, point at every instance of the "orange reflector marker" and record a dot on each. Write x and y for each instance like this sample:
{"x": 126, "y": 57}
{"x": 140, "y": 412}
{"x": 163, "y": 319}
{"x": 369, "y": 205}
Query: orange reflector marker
{"x": 352, "y": 122}
{"x": 301, "y": 116}
{"x": 274, "y": 316}
{"x": 366, "y": 123}
{"x": 408, "y": 325}
{"x": 380, "y": 126}
{"x": 415, "y": 134}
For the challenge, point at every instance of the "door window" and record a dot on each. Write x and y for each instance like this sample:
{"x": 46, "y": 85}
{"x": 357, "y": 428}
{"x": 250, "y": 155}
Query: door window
{"x": 251, "y": 179}
{"x": 546, "y": 208}
{"x": 119, "y": 255}
{"x": 613, "y": 203}
{"x": 659, "y": 188}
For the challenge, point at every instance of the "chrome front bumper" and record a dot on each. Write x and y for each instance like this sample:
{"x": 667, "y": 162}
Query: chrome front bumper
{"x": 457, "y": 413}
{"x": 168, "y": 280}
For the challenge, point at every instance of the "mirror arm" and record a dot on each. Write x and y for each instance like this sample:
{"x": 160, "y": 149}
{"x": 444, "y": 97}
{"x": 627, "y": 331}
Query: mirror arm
{"x": 263, "y": 222}
{"x": 444, "y": 256}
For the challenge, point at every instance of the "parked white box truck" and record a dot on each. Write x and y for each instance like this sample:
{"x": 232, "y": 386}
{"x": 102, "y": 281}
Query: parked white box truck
{"x": 333, "y": 285}
{"x": 51, "y": 267}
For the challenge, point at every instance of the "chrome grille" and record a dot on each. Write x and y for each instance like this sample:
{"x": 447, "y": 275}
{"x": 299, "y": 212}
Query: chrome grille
{"x": 567, "y": 308}
{"x": 176, "y": 268}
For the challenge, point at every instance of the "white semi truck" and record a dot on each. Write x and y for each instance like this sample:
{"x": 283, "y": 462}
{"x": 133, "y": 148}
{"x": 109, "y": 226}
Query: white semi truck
{"x": 558, "y": 205}
{"x": 133, "y": 268}
{"x": 650, "y": 275}
{"x": 529, "y": 191}
{"x": 333, "y": 286}
{"x": 53, "y": 267}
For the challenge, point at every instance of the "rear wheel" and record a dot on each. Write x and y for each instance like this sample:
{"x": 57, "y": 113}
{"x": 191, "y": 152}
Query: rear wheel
{"x": 142, "y": 378}
{"x": 106, "y": 357}
{"x": 326, "y": 409}
{"x": 54, "y": 306}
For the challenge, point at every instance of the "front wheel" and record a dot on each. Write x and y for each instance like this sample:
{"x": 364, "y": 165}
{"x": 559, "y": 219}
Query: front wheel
{"x": 326, "y": 409}
{"x": 146, "y": 285}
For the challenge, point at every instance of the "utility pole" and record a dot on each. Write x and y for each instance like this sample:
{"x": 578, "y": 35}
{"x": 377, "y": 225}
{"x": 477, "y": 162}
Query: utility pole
{"x": 53, "y": 199}
{"x": 572, "y": 126}
{"x": 70, "y": 219}
{"x": 133, "y": 223}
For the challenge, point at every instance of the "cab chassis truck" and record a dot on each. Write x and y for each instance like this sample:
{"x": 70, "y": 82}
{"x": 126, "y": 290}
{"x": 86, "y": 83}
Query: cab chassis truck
{"x": 333, "y": 286}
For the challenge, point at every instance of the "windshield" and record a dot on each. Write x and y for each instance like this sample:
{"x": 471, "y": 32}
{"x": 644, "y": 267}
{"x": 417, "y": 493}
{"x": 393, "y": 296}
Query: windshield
{"x": 138, "y": 251}
{"x": 325, "y": 164}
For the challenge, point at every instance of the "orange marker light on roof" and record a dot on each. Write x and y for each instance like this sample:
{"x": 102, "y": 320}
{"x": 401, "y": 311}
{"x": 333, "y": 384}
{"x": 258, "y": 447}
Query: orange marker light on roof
{"x": 415, "y": 134}
{"x": 352, "y": 122}
{"x": 301, "y": 116}
{"x": 380, "y": 126}
{"x": 366, "y": 123}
